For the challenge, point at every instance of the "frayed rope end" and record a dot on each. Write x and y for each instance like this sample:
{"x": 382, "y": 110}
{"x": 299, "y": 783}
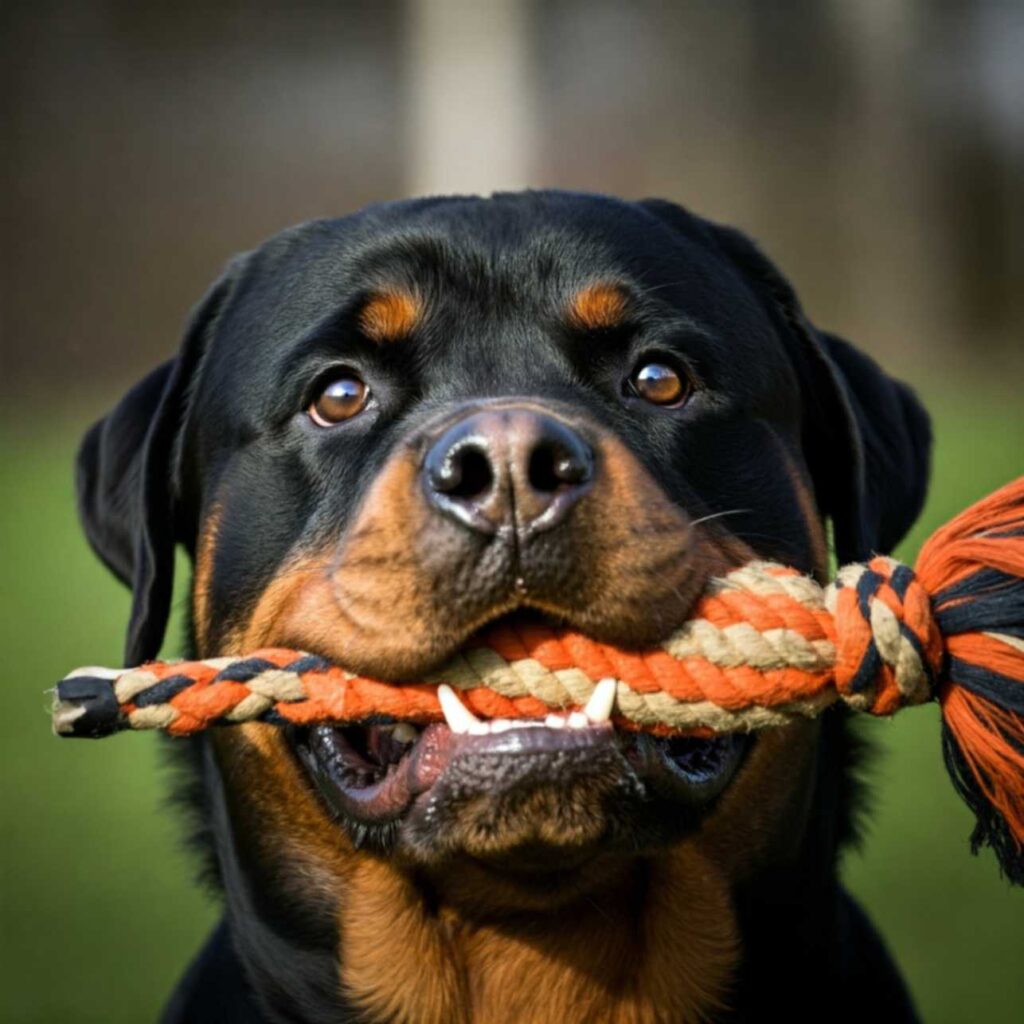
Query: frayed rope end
{"x": 974, "y": 569}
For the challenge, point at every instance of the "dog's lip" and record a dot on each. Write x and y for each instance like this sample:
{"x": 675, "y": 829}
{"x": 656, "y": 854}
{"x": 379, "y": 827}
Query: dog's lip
{"x": 688, "y": 771}
{"x": 324, "y": 751}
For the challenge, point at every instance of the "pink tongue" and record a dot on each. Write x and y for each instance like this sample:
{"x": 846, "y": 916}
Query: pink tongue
{"x": 430, "y": 756}
{"x": 409, "y": 779}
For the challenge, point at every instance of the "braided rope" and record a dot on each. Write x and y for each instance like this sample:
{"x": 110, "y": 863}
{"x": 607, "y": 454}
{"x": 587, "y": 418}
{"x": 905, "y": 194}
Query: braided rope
{"x": 760, "y": 650}
{"x": 764, "y": 645}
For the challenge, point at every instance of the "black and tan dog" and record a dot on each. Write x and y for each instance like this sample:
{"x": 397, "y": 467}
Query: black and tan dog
{"x": 384, "y": 431}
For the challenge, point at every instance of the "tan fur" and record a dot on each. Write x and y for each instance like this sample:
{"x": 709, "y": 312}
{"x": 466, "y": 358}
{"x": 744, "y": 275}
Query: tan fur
{"x": 390, "y": 316}
{"x": 598, "y": 307}
{"x": 300, "y": 577}
{"x": 344, "y": 604}
{"x": 203, "y": 574}
{"x": 657, "y": 947}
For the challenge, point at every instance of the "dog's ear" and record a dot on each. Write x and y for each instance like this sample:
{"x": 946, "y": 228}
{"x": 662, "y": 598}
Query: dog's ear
{"x": 866, "y": 437}
{"x": 893, "y": 432}
{"x": 126, "y": 481}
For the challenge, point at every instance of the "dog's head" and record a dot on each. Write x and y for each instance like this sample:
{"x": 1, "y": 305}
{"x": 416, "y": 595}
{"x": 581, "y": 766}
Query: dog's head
{"x": 382, "y": 433}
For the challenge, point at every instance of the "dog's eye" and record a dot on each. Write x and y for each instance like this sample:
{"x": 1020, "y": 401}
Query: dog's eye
{"x": 342, "y": 399}
{"x": 660, "y": 384}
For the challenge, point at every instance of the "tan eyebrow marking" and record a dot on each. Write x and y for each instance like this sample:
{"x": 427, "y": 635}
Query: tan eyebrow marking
{"x": 390, "y": 316}
{"x": 599, "y": 306}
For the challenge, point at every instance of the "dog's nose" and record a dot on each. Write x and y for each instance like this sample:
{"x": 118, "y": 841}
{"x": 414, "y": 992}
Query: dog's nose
{"x": 508, "y": 467}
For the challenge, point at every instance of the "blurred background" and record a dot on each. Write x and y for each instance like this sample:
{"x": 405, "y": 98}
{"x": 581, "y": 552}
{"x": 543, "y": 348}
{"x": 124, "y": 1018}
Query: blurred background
{"x": 875, "y": 149}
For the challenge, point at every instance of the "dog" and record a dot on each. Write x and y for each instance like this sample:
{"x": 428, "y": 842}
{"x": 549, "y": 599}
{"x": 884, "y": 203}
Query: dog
{"x": 384, "y": 431}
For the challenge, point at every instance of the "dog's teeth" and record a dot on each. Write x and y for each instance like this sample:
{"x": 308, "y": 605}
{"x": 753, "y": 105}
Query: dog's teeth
{"x": 555, "y": 722}
{"x": 404, "y": 733}
{"x": 602, "y": 700}
{"x": 456, "y": 714}
{"x": 505, "y": 724}
{"x": 578, "y": 720}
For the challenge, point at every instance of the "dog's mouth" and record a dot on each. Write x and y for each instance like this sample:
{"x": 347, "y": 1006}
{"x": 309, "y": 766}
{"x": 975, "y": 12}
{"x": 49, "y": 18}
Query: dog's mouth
{"x": 573, "y": 780}
{"x": 375, "y": 773}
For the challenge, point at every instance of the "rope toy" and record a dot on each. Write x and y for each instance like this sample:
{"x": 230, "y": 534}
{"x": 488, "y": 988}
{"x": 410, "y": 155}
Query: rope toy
{"x": 764, "y": 645}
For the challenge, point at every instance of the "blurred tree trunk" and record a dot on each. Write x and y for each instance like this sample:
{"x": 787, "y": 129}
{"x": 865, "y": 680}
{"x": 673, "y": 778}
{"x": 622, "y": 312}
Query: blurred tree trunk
{"x": 470, "y": 104}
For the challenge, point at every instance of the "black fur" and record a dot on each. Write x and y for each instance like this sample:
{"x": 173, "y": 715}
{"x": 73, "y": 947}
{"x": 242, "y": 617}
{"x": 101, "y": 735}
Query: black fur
{"x": 225, "y": 414}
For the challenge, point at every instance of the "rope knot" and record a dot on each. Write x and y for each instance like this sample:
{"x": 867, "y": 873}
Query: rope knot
{"x": 889, "y": 649}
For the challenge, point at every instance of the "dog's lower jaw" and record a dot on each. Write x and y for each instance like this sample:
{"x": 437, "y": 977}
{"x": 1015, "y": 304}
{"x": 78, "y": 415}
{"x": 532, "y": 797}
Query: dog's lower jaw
{"x": 658, "y": 942}
{"x": 658, "y": 945}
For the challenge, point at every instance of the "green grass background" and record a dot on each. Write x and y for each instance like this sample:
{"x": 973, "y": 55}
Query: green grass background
{"x": 98, "y": 910}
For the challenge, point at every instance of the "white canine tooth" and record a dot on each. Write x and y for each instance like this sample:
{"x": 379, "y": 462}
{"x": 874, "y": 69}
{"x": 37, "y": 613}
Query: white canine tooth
{"x": 480, "y": 729}
{"x": 502, "y": 725}
{"x": 602, "y": 700}
{"x": 456, "y": 714}
{"x": 578, "y": 720}
{"x": 404, "y": 733}
{"x": 555, "y": 722}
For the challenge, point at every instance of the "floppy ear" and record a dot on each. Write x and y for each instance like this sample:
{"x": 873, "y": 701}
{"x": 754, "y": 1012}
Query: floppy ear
{"x": 895, "y": 440}
{"x": 866, "y": 437}
{"x": 126, "y": 480}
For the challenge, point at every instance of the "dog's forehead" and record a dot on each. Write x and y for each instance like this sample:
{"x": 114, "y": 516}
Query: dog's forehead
{"x": 531, "y": 251}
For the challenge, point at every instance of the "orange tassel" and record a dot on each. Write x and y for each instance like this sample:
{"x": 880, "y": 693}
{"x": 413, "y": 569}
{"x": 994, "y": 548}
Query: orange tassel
{"x": 974, "y": 569}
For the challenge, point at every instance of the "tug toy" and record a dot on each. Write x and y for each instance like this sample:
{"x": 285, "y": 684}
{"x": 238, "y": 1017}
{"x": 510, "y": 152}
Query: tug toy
{"x": 764, "y": 645}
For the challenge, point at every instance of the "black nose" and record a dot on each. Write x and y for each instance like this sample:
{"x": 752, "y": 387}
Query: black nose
{"x": 508, "y": 467}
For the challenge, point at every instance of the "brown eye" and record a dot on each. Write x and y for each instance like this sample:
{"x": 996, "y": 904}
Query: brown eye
{"x": 340, "y": 400}
{"x": 660, "y": 384}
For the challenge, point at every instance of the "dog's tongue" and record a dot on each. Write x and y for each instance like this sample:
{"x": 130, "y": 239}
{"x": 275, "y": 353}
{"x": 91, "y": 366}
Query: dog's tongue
{"x": 346, "y": 778}
{"x": 430, "y": 757}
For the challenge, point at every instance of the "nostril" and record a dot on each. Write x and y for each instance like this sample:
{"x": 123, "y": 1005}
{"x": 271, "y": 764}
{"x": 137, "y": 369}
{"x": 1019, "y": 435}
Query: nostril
{"x": 467, "y": 474}
{"x": 552, "y": 465}
{"x": 541, "y": 470}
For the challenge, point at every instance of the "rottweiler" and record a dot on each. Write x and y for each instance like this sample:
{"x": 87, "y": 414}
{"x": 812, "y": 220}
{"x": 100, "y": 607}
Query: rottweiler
{"x": 384, "y": 431}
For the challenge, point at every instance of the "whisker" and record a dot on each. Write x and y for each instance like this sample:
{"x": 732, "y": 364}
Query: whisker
{"x": 719, "y": 515}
